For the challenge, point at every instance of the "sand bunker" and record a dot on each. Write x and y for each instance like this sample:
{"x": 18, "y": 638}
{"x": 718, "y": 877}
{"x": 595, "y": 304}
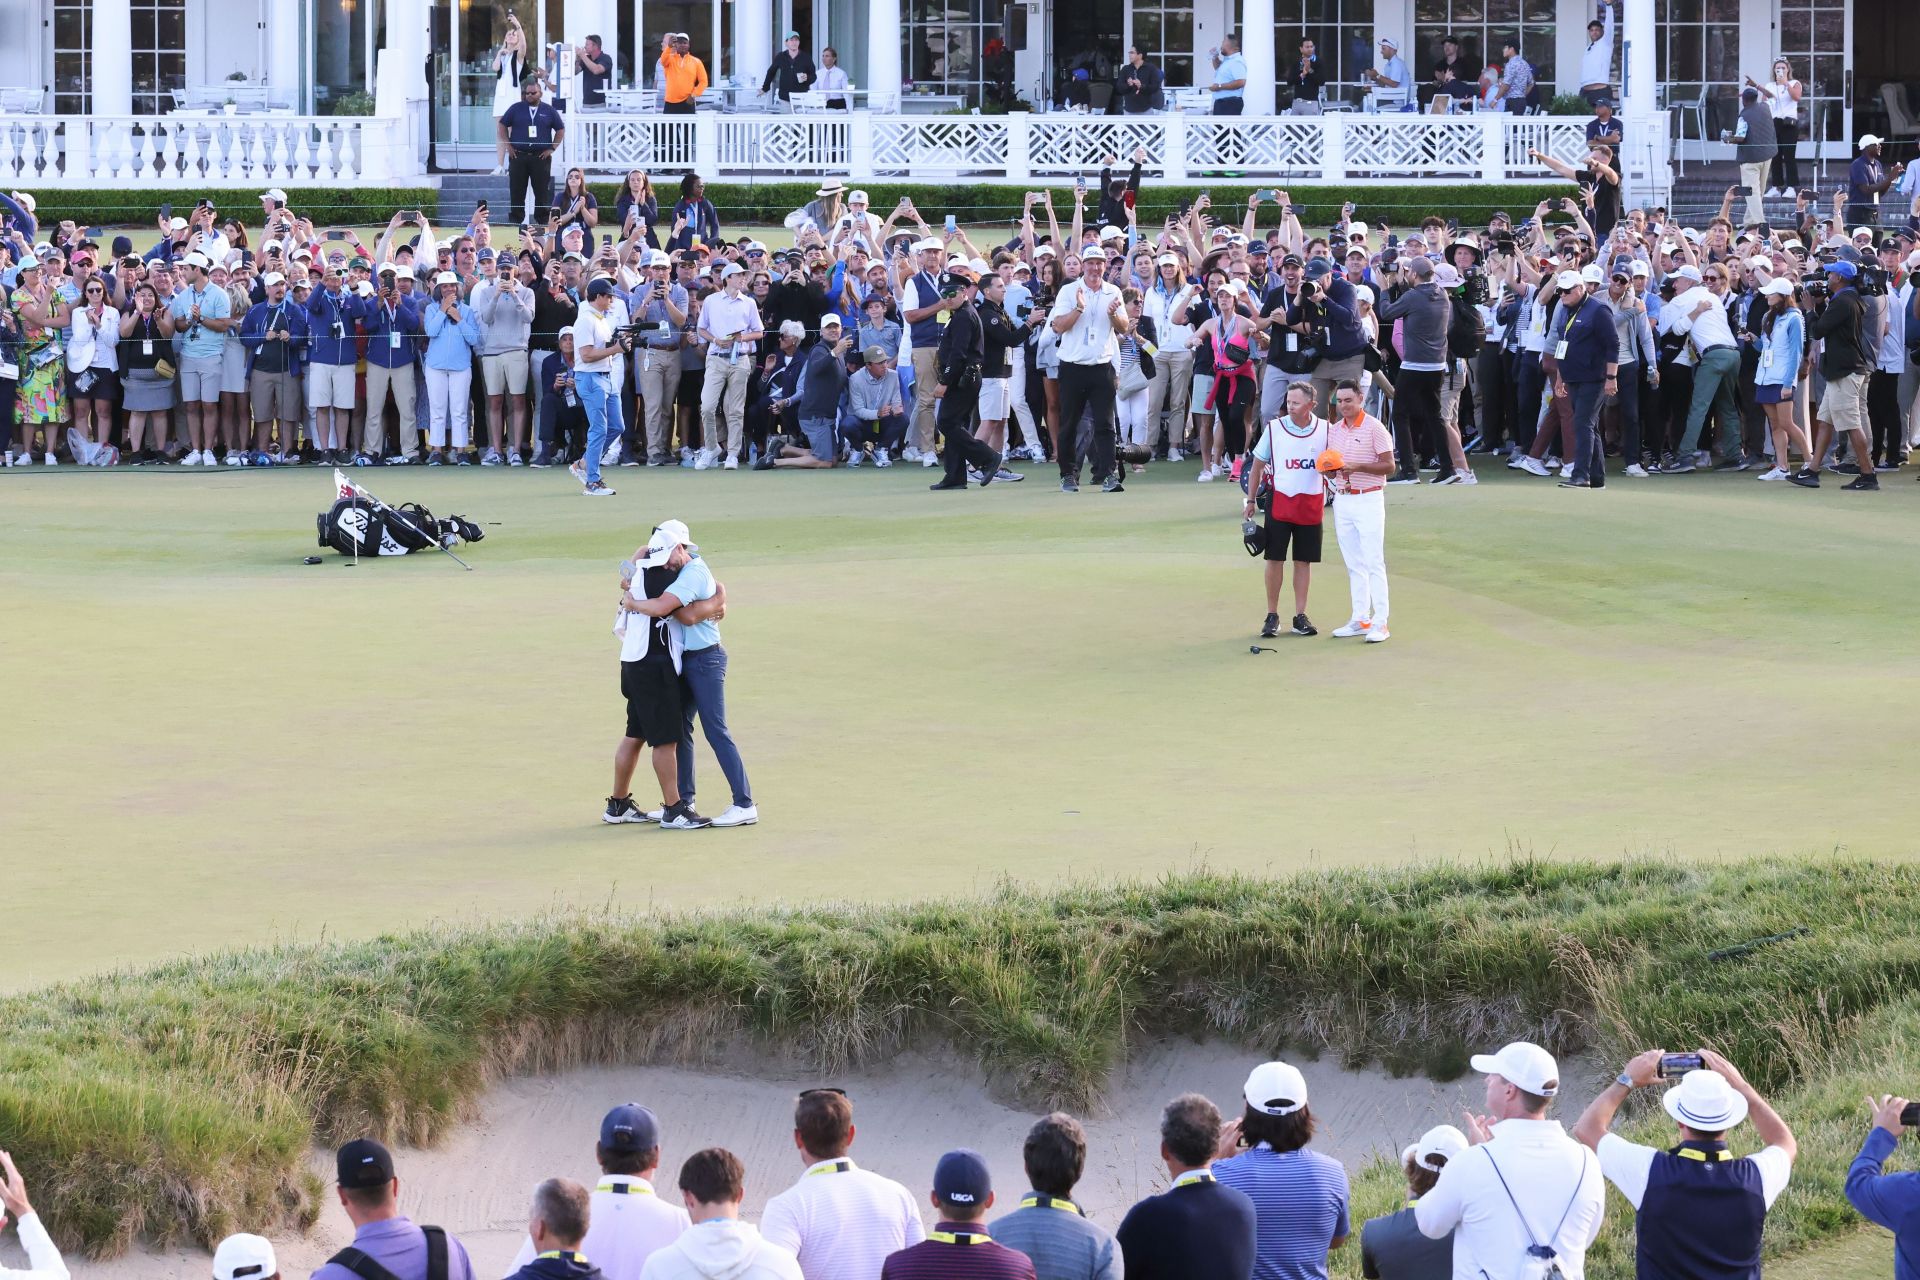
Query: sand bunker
{"x": 907, "y": 1112}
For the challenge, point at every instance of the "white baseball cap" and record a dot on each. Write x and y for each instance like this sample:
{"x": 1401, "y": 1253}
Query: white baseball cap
{"x": 1093, "y": 253}
{"x": 1443, "y": 1141}
{"x": 273, "y": 277}
{"x": 1593, "y": 274}
{"x": 244, "y": 1257}
{"x": 979, "y": 265}
{"x": 1640, "y": 268}
{"x": 26, "y": 201}
{"x": 274, "y": 193}
{"x": 1704, "y": 1100}
{"x": 857, "y": 197}
{"x": 1276, "y": 1089}
{"x": 830, "y": 319}
{"x": 196, "y": 260}
{"x": 1167, "y": 260}
{"x": 1446, "y": 275}
{"x": 658, "y": 258}
{"x": 669, "y": 534}
{"x": 1363, "y": 293}
{"x": 403, "y": 273}
{"x": 273, "y": 246}
{"x": 1390, "y": 43}
{"x": 1689, "y": 272}
{"x": 755, "y": 246}
{"x": 302, "y": 251}
{"x": 1781, "y": 288}
{"x": 732, "y": 269}
{"x": 1111, "y": 233}
{"x": 178, "y": 224}
{"x": 1522, "y": 1065}
{"x": 929, "y": 245}
{"x": 1565, "y": 280}
{"x": 1356, "y": 229}
{"x": 445, "y": 277}
{"x": 1870, "y": 140}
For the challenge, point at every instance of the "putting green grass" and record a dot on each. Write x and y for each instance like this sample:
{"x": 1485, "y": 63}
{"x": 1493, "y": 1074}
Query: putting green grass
{"x": 210, "y": 743}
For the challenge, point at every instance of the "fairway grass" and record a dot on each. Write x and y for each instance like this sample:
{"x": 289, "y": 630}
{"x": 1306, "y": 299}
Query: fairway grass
{"x": 209, "y": 743}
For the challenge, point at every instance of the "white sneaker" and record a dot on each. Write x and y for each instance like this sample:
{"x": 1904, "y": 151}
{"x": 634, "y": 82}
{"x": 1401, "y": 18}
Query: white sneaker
{"x": 1173, "y": 455}
{"x": 735, "y": 816}
{"x": 1771, "y": 193}
{"x": 611, "y": 458}
{"x": 881, "y": 458}
{"x": 1534, "y": 467}
{"x": 1206, "y": 475}
{"x": 909, "y": 454}
{"x": 1639, "y": 472}
{"x": 704, "y": 460}
{"x": 1377, "y": 634}
{"x": 929, "y": 460}
{"x": 1467, "y": 477}
{"x": 492, "y": 458}
{"x": 1553, "y": 462}
{"x": 1566, "y": 470}
{"x": 514, "y": 459}
{"x": 192, "y": 459}
{"x": 1354, "y": 627}
{"x": 1775, "y": 474}
{"x": 1458, "y": 477}
{"x": 51, "y": 460}
{"x": 1702, "y": 459}
{"x": 1516, "y": 461}
{"x": 1791, "y": 194}
{"x": 856, "y": 457}
{"x": 731, "y": 464}
{"x": 233, "y": 458}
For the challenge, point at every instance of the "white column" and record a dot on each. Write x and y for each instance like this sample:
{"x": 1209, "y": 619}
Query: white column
{"x": 1019, "y": 147}
{"x": 753, "y": 39}
{"x": 1256, "y": 43}
{"x": 400, "y": 88}
{"x": 110, "y": 59}
{"x": 1638, "y": 88}
{"x": 883, "y": 45}
{"x": 286, "y": 59}
{"x": 1174, "y": 164}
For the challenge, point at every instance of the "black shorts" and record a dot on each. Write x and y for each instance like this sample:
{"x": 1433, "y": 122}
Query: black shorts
{"x": 1305, "y": 538}
{"x": 652, "y": 691}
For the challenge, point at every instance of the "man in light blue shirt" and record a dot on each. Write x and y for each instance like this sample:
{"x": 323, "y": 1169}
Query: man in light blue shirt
{"x": 1392, "y": 81}
{"x": 1229, "y": 79}
{"x": 703, "y": 677}
{"x": 202, "y": 315}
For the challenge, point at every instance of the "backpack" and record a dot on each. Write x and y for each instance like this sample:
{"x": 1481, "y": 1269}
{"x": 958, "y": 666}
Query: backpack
{"x": 1466, "y": 332}
{"x": 1542, "y": 1260}
{"x": 366, "y": 1268}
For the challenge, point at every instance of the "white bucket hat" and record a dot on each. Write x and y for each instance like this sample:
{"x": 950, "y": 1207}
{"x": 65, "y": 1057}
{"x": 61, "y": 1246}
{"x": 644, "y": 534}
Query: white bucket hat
{"x": 1703, "y": 1100}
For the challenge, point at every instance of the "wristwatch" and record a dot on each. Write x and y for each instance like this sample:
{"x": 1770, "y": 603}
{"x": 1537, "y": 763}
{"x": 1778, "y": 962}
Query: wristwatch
{"x": 1624, "y": 1080}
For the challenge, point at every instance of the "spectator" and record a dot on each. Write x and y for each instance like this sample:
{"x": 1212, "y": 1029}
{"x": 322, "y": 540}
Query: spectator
{"x": 1053, "y": 1231}
{"x": 1755, "y": 147}
{"x": 557, "y": 1225}
{"x": 1299, "y": 1196}
{"x": 370, "y": 1193}
{"x": 1585, "y": 367}
{"x": 637, "y": 209}
{"x": 683, "y": 77}
{"x": 563, "y": 418}
{"x": 1306, "y": 80}
{"x": 822, "y": 378}
{"x": 1089, "y": 318}
{"x": 1891, "y": 1200}
{"x": 1141, "y": 85}
{"x": 1699, "y": 1211}
{"x": 275, "y": 332}
{"x": 1229, "y": 83}
{"x": 1392, "y": 1247}
{"x": 510, "y": 68}
{"x": 1390, "y": 82}
{"x": 332, "y": 354}
{"x": 1783, "y": 350}
{"x": 93, "y": 363}
{"x": 43, "y": 1258}
{"x": 504, "y": 306}
{"x": 695, "y": 221}
{"x": 834, "y": 76}
{"x": 877, "y": 407}
{"x": 629, "y": 1220}
{"x": 792, "y": 72}
{"x": 1196, "y": 1227}
{"x": 390, "y": 321}
{"x": 245, "y": 1257}
{"x": 1605, "y": 127}
{"x": 453, "y": 341}
{"x": 532, "y": 131}
{"x": 959, "y": 1247}
{"x": 1596, "y": 61}
{"x": 721, "y": 1247}
{"x": 1844, "y": 363}
{"x": 839, "y": 1220}
{"x": 144, "y": 391}
{"x": 595, "y": 66}
{"x": 1427, "y": 312}
{"x": 1530, "y": 1194}
{"x": 1783, "y": 94}
{"x": 1515, "y": 84}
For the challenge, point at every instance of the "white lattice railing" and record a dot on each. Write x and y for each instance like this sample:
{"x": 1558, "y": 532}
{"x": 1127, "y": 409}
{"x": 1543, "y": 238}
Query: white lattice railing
{"x": 179, "y": 150}
{"x": 1340, "y": 147}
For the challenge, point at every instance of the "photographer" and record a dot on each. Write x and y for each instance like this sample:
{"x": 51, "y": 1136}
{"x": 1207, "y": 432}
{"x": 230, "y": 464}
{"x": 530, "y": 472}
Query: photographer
{"x": 597, "y": 344}
{"x": 1700, "y": 1211}
{"x": 1891, "y": 1200}
{"x": 1844, "y": 362}
{"x": 1425, "y": 311}
{"x": 662, "y": 305}
{"x": 43, "y": 1258}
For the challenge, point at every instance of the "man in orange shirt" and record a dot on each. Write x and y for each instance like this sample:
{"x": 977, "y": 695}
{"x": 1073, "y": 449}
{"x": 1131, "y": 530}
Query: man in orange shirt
{"x": 683, "y": 77}
{"x": 1360, "y": 508}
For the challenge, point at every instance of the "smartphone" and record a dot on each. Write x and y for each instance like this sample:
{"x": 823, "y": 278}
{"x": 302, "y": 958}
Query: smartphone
{"x": 1267, "y": 195}
{"x": 1127, "y": 198}
{"x": 409, "y": 215}
{"x": 1347, "y": 208}
{"x": 93, "y": 233}
{"x": 1675, "y": 1065}
{"x": 952, "y": 224}
{"x": 166, "y": 211}
{"x": 1558, "y": 204}
{"x": 277, "y": 204}
{"x": 1910, "y": 1114}
{"x": 480, "y": 206}
{"x": 335, "y": 234}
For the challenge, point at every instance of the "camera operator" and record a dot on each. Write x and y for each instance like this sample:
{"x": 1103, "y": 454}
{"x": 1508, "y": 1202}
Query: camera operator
{"x": 1427, "y": 310}
{"x": 1840, "y": 324}
{"x": 661, "y": 304}
{"x": 1700, "y": 1210}
{"x": 1299, "y": 310}
{"x": 1891, "y": 1200}
{"x": 43, "y": 1258}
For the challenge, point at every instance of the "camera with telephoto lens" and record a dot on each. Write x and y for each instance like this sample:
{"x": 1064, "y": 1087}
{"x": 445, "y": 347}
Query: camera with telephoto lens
{"x": 1675, "y": 1065}
{"x": 1477, "y": 289}
{"x": 1871, "y": 282}
{"x": 1816, "y": 287}
{"x": 638, "y": 329}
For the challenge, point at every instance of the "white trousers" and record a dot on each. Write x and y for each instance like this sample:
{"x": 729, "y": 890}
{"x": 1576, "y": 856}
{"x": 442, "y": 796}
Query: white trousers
{"x": 1131, "y": 411}
{"x": 447, "y": 392}
{"x": 1017, "y": 394}
{"x": 1360, "y": 524}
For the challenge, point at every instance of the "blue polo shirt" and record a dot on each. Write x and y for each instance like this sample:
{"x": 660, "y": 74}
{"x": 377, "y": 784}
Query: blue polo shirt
{"x": 695, "y": 583}
{"x": 201, "y": 343}
{"x": 1232, "y": 67}
{"x": 1300, "y": 1206}
{"x": 531, "y": 128}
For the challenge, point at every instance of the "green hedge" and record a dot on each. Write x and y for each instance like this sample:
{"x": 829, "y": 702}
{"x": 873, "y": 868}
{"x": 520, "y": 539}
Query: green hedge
{"x": 139, "y": 206}
{"x": 762, "y": 204}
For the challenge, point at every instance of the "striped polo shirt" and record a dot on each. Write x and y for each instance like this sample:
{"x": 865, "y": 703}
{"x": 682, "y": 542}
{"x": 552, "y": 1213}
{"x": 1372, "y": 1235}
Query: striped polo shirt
{"x": 842, "y": 1221}
{"x": 1059, "y": 1239}
{"x": 1300, "y": 1205}
{"x": 1370, "y": 441}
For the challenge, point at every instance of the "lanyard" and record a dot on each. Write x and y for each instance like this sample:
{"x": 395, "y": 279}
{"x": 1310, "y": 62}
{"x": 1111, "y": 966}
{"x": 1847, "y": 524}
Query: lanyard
{"x": 1192, "y": 1176}
{"x": 1039, "y": 1201}
{"x": 1696, "y": 1153}
{"x": 626, "y": 1188}
{"x": 960, "y": 1237}
{"x": 565, "y": 1255}
{"x": 837, "y": 1166}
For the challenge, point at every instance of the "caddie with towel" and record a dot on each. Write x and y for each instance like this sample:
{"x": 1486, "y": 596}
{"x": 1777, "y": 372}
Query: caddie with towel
{"x": 386, "y": 1244}
{"x": 1700, "y": 1208}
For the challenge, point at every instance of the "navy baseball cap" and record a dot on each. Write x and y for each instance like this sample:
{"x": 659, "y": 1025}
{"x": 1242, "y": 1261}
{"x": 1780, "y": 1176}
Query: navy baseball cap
{"x": 599, "y": 289}
{"x": 364, "y": 1163}
{"x": 1842, "y": 268}
{"x": 122, "y": 246}
{"x": 961, "y": 1179}
{"x": 630, "y": 1127}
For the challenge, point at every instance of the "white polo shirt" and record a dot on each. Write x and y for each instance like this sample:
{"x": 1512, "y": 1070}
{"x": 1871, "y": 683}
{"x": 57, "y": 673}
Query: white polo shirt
{"x": 842, "y": 1221}
{"x": 591, "y": 329}
{"x": 1553, "y": 1180}
{"x": 627, "y": 1221}
{"x": 1710, "y": 329}
{"x": 1091, "y": 341}
{"x": 43, "y": 1258}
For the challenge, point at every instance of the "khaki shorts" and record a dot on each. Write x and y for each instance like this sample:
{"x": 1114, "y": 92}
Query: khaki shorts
{"x": 505, "y": 374}
{"x": 276, "y": 396}
{"x": 1844, "y": 403}
{"x": 330, "y": 386}
{"x": 200, "y": 379}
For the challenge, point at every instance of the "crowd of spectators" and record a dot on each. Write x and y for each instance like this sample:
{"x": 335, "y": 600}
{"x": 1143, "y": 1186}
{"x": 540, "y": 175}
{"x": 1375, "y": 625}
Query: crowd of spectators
{"x": 1785, "y": 348}
{"x": 1513, "y": 1196}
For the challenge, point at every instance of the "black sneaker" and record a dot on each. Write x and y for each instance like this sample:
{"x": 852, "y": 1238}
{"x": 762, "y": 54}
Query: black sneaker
{"x": 681, "y": 817}
{"x": 1271, "y": 627}
{"x": 1112, "y": 484}
{"x": 1732, "y": 464}
{"x": 623, "y": 809}
{"x": 437, "y": 458}
{"x": 1865, "y": 484}
{"x": 1301, "y": 627}
{"x": 541, "y": 460}
{"x": 1805, "y": 479}
{"x": 1673, "y": 466}
{"x": 1069, "y": 485}
{"x": 1845, "y": 468}
{"x": 463, "y": 457}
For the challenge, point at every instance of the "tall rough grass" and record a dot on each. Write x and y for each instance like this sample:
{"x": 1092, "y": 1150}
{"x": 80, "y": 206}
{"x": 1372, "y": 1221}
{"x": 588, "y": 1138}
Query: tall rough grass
{"x": 181, "y": 1101}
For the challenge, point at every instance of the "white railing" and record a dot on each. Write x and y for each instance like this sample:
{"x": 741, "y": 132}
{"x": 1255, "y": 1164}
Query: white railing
{"x": 1338, "y": 147}
{"x": 194, "y": 150}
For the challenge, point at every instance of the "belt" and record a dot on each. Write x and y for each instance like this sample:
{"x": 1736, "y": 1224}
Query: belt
{"x": 1718, "y": 346}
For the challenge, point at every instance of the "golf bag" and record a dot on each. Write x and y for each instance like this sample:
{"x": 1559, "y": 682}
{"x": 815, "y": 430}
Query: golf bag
{"x": 354, "y": 525}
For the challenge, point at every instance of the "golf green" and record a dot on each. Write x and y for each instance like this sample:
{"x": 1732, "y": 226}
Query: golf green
{"x": 209, "y": 742}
